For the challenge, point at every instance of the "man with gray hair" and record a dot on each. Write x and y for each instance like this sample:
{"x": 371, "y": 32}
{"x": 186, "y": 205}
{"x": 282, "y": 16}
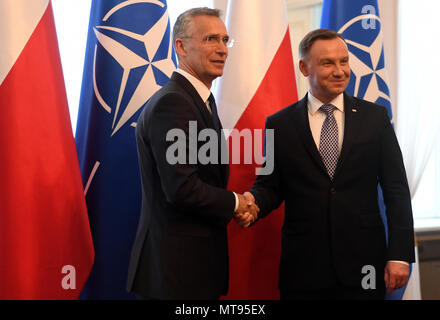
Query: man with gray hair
{"x": 181, "y": 247}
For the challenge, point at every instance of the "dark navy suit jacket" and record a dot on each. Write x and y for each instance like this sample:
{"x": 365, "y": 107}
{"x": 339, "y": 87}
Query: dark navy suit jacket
{"x": 334, "y": 228}
{"x": 181, "y": 249}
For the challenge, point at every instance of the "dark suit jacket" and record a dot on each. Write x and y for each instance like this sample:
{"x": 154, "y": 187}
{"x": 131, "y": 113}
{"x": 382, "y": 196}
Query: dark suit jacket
{"x": 333, "y": 228}
{"x": 181, "y": 250}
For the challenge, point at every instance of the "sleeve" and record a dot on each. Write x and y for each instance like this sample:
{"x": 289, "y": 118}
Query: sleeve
{"x": 392, "y": 178}
{"x": 266, "y": 188}
{"x": 181, "y": 181}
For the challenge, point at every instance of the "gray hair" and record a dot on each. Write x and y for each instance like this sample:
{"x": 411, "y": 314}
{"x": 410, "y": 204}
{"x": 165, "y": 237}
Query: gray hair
{"x": 310, "y": 38}
{"x": 183, "y": 21}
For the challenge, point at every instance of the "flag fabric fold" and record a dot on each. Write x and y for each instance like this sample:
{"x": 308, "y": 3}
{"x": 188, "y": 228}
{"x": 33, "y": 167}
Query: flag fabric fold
{"x": 46, "y": 250}
{"x": 129, "y": 56}
{"x": 360, "y": 24}
{"x": 258, "y": 80}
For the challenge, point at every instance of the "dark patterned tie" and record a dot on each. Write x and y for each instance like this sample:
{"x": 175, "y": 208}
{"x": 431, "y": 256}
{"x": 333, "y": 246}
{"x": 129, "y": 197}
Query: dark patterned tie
{"x": 215, "y": 118}
{"x": 328, "y": 143}
{"x": 223, "y": 148}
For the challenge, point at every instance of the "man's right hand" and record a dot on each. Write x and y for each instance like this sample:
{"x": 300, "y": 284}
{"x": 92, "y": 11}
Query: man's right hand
{"x": 247, "y": 211}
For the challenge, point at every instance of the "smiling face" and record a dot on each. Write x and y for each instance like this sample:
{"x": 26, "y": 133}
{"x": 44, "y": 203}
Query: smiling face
{"x": 201, "y": 59}
{"x": 326, "y": 66}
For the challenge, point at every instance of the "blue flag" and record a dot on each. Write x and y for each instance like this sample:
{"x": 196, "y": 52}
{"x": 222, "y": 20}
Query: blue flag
{"x": 129, "y": 56}
{"x": 359, "y": 23}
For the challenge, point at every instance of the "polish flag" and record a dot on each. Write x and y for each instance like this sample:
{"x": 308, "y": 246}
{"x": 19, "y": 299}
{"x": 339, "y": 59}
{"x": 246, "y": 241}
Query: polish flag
{"x": 259, "y": 80}
{"x": 46, "y": 249}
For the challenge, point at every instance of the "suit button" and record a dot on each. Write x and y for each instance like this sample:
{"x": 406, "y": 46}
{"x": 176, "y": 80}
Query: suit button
{"x": 333, "y": 190}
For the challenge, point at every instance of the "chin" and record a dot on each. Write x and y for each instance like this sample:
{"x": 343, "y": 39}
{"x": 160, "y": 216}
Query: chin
{"x": 338, "y": 90}
{"x": 217, "y": 74}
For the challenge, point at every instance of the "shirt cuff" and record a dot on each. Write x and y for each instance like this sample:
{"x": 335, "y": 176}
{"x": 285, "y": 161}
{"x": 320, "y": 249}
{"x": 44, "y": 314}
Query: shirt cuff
{"x": 403, "y": 262}
{"x": 236, "y": 201}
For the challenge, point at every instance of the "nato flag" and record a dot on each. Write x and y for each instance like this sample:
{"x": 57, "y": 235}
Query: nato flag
{"x": 129, "y": 56}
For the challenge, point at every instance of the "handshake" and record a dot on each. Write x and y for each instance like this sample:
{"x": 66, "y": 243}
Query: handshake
{"x": 247, "y": 211}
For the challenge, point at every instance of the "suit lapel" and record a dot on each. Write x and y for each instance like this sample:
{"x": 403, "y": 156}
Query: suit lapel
{"x": 352, "y": 123}
{"x": 198, "y": 102}
{"x": 302, "y": 125}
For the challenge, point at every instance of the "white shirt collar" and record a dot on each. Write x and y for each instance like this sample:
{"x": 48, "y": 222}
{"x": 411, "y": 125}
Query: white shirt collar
{"x": 314, "y": 103}
{"x": 200, "y": 87}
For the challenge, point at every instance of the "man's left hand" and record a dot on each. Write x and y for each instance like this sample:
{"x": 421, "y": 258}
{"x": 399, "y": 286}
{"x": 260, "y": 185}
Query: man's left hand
{"x": 396, "y": 275}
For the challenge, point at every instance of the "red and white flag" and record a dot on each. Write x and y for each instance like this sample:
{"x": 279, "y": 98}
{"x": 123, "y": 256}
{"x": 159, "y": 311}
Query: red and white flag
{"x": 46, "y": 249}
{"x": 259, "y": 79}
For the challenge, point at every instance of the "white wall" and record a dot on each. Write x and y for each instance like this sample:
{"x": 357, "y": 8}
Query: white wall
{"x": 72, "y": 21}
{"x": 388, "y": 10}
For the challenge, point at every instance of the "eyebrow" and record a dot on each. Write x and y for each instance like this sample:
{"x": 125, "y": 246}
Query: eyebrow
{"x": 331, "y": 59}
{"x": 217, "y": 35}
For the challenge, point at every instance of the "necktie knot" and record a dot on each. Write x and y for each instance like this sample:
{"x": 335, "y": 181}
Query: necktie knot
{"x": 328, "y": 109}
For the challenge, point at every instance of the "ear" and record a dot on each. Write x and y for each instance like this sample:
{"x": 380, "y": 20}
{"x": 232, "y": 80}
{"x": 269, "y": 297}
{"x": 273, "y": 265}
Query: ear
{"x": 303, "y": 67}
{"x": 180, "y": 47}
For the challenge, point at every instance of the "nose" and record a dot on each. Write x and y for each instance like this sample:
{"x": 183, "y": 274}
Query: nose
{"x": 221, "y": 48}
{"x": 222, "y": 44}
{"x": 338, "y": 71}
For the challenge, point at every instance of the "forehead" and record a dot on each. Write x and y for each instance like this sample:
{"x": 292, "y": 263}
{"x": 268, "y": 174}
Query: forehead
{"x": 332, "y": 48}
{"x": 203, "y": 24}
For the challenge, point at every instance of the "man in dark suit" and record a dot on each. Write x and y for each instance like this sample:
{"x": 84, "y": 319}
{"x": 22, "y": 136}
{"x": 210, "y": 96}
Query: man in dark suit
{"x": 331, "y": 151}
{"x": 181, "y": 249}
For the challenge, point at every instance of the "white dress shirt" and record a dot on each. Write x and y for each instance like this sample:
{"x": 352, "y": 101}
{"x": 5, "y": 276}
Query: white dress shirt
{"x": 200, "y": 87}
{"x": 317, "y": 117}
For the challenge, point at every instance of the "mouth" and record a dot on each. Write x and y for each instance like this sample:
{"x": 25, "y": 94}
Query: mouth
{"x": 338, "y": 82}
{"x": 218, "y": 62}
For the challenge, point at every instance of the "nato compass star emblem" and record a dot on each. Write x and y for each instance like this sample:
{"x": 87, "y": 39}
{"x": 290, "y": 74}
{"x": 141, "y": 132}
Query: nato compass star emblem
{"x": 369, "y": 78}
{"x": 132, "y": 52}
